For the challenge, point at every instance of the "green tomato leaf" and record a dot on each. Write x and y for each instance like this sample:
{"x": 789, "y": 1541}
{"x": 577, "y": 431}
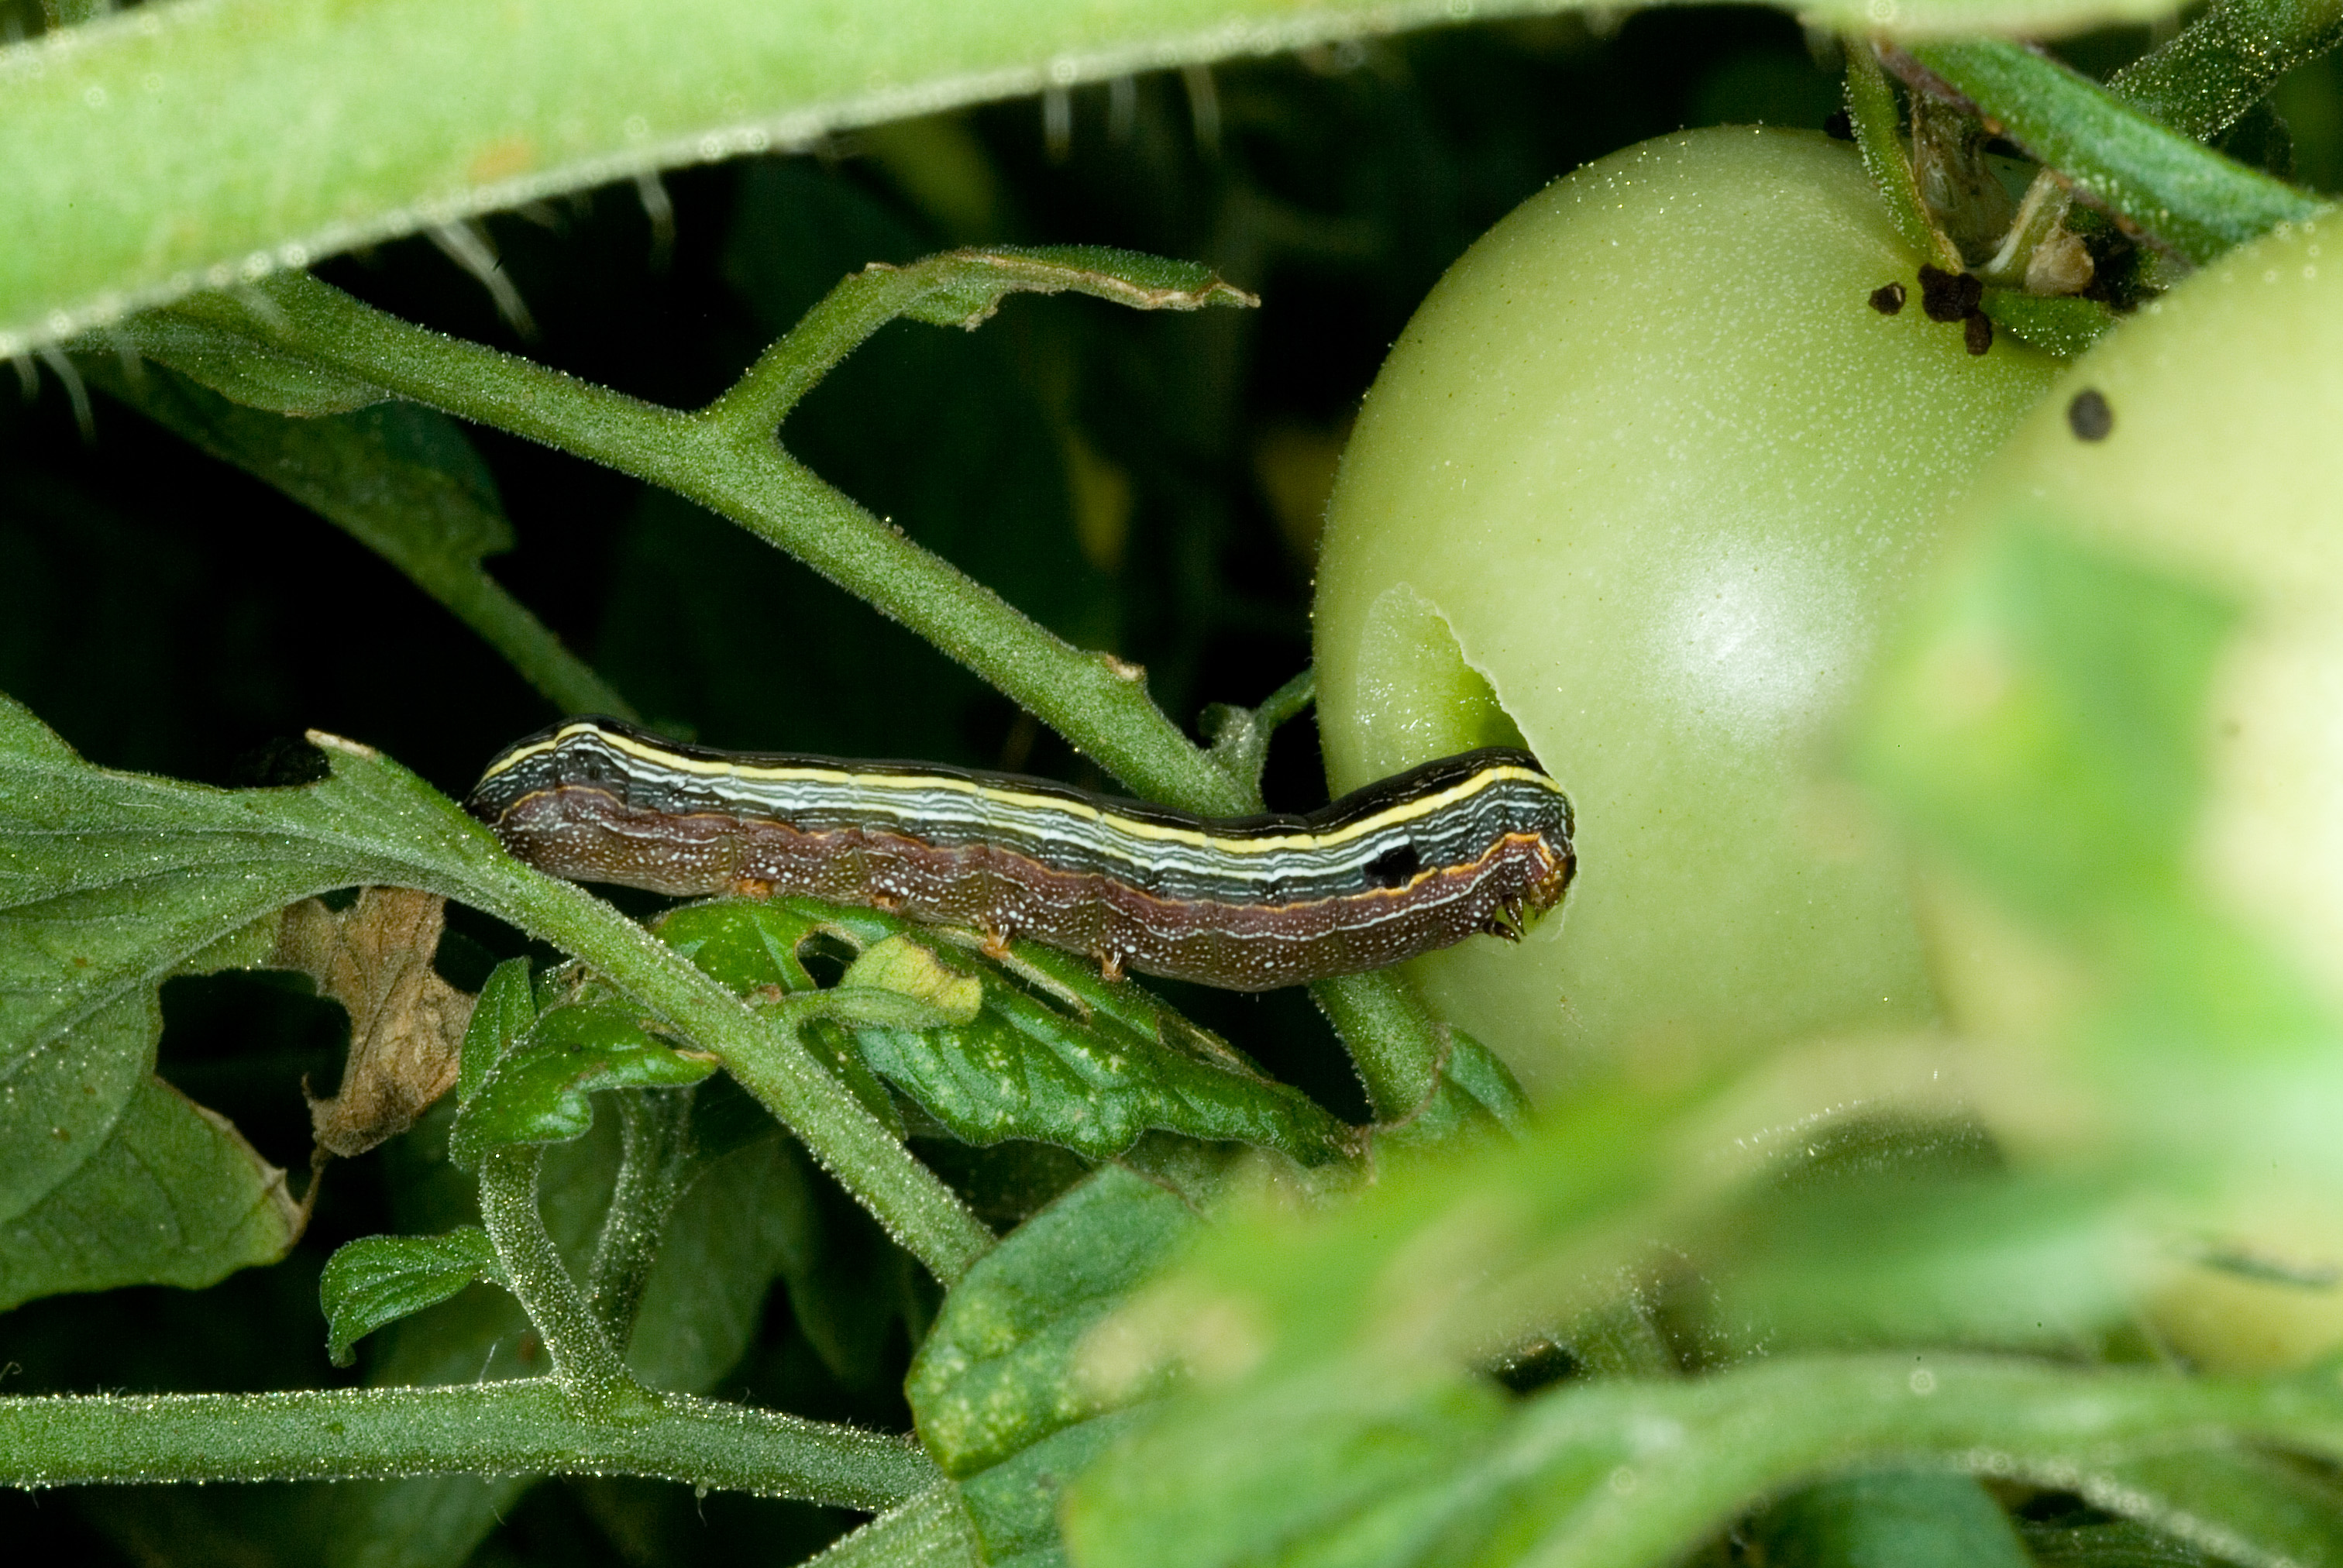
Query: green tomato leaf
{"x": 2170, "y": 184}
{"x": 505, "y": 1010}
{"x": 1911, "y": 1518}
{"x": 996, "y": 1374}
{"x": 1092, "y": 1072}
{"x": 541, "y": 1090}
{"x": 963, "y": 287}
{"x": 750, "y": 1218}
{"x": 379, "y": 1279}
{"x": 402, "y": 480}
{"x": 240, "y": 369}
{"x": 1014, "y": 1506}
{"x": 1476, "y": 1091}
{"x": 111, "y": 882}
{"x": 171, "y": 1195}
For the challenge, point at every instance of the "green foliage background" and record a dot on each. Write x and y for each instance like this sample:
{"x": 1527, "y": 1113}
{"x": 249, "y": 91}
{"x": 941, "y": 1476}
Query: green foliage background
{"x": 1143, "y": 483}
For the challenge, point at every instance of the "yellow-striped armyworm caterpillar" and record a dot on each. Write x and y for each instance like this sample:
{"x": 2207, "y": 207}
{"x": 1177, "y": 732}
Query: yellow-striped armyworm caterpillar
{"x": 1474, "y": 843}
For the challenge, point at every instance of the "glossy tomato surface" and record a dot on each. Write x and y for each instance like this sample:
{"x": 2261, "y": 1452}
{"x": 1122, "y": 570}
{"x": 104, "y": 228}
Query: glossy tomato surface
{"x": 1646, "y": 476}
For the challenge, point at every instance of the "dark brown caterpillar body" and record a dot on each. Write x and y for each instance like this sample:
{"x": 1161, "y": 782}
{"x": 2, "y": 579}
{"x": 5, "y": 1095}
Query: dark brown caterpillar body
{"x": 1475, "y": 843}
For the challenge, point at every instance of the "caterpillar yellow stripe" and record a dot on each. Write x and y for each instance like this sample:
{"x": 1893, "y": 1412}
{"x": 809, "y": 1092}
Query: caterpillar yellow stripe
{"x": 1474, "y": 843}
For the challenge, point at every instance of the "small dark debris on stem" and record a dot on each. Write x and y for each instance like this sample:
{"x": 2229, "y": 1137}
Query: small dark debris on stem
{"x": 1887, "y": 298}
{"x": 1977, "y": 330}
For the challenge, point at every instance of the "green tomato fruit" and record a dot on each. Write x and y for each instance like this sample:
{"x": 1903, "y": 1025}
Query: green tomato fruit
{"x": 1645, "y": 478}
{"x": 2203, "y": 440}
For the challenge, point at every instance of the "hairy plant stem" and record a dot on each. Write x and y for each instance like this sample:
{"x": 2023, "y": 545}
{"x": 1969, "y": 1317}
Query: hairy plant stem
{"x": 654, "y": 1163}
{"x": 2170, "y": 186}
{"x": 2204, "y": 78}
{"x": 1097, "y": 703}
{"x": 1382, "y": 1021}
{"x": 2199, "y": 83}
{"x": 527, "y": 1427}
{"x": 593, "y": 1379}
{"x": 1871, "y": 110}
{"x": 904, "y": 1196}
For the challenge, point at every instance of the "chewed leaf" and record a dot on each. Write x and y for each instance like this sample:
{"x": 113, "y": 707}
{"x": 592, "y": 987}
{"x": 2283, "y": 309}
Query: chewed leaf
{"x": 901, "y": 964}
{"x": 539, "y": 1093}
{"x": 1066, "y": 1057}
{"x": 375, "y": 958}
{"x": 970, "y": 285}
{"x": 380, "y": 1279}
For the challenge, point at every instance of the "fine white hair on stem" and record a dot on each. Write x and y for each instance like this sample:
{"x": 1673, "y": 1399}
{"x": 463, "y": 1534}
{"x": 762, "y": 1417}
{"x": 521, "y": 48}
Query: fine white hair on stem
{"x": 466, "y": 245}
{"x": 62, "y": 369}
{"x": 1121, "y": 108}
{"x": 651, "y": 191}
{"x": 1204, "y": 107}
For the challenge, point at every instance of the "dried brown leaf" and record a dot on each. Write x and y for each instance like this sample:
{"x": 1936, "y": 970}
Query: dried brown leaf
{"x": 406, "y": 1022}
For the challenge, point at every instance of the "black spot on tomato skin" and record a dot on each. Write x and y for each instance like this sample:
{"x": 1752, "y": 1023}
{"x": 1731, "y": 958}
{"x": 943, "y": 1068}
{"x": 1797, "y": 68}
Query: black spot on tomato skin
{"x": 1394, "y": 868}
{"x": 1949, "y": 295}
{"x": 2089, "y": 416}
{"x": 1887, "y": 298}
{"x": 1977, "y": 330}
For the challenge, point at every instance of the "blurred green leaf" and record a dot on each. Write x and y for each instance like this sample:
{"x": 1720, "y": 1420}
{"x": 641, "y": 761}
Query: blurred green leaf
{"x": 1092, "y": 1068}
{"x": 1890, "y": 1520}
{"x": 379, "y": 1279}
{"x": 183, "y": 129}
{"x": 997, "y": 1372}
{"x": 2243, "y": 1504}
{"x": 1359, "y": 1468}
{"x": 1339, "y": 1466}
{"x": 2045, "y": 733}
{"x": 2041, "y": 731}
{"x": 540, "y": 1089}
